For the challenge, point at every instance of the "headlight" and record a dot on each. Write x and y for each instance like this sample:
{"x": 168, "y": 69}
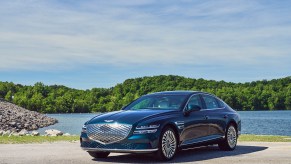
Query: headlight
{"x": 148, "y": 127}
{"x": 84, "y": 129}
{"x": 144, "y": 129}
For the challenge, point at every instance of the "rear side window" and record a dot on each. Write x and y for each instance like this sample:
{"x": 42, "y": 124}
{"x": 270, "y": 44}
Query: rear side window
{"x": 221, "y": 103}
{"x": 210, "y": 102}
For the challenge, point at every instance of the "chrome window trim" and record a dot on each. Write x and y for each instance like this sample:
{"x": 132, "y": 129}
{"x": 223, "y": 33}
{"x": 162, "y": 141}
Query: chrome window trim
{"x": 212, "y": 109}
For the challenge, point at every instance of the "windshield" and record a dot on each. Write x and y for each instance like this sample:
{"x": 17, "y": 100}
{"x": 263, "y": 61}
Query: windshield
{"x": 172, "y": 102}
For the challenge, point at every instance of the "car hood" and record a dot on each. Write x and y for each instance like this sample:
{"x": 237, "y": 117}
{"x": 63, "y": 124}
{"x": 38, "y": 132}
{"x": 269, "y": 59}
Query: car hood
{"x": 128, "y": 116}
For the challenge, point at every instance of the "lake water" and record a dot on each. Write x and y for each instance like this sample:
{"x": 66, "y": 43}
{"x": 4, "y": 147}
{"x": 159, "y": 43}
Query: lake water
{"x": 253, "y": 122}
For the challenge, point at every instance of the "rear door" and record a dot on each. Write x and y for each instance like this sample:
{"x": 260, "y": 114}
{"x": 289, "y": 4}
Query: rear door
{"x": 216, "y": 116}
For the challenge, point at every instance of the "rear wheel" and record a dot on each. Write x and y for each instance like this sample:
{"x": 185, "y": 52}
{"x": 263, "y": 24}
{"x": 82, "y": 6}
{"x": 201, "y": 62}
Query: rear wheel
{"x": 168, "y": 144}
{"x": 230, "y": 141}
{"x": 99, "y": 154}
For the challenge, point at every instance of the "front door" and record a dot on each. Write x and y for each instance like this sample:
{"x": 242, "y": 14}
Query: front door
{"x": 195, "y": 124}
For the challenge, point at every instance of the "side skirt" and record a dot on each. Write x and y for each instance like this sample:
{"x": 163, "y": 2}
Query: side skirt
{"x": 201, "y": 141}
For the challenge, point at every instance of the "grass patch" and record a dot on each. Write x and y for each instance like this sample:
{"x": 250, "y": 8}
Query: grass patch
{"x": 42, "y": 139}
{"x": 35, "y": 139}
{"x": 264, "y": 138}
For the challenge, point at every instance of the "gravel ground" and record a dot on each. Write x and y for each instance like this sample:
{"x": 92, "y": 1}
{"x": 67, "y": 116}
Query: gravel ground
{"x": 66, "y": 152}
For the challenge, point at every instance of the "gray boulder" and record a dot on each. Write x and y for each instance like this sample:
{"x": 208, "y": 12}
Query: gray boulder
{"x": 6, "y": 132}
{"x": 13, "y": 130}
{"x": 53, "y": 132}
{"x": 35, "y": 133}
{"x": 26, "y": 125}
{"x": 66, "y": 134}
{"x": 13, "y": 123}
{"x": 34, "y": 127}
{"x": 23, "y": 132}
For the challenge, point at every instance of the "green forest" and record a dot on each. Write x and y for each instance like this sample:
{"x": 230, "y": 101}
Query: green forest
{"x": 257, "y": 95}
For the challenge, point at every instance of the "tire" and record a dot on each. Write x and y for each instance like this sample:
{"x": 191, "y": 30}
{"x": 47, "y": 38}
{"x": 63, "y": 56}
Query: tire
{"x": 230, "y": 140}
{"x": 168, "y": 145}
{"x": 99, "y": 154}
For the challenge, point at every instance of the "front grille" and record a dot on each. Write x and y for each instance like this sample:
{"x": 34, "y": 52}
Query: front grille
{"x": 108, "y": 133}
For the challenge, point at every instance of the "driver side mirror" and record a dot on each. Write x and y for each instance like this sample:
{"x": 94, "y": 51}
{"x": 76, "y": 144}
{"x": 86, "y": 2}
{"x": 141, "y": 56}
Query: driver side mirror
{"x": 191, "y": 108}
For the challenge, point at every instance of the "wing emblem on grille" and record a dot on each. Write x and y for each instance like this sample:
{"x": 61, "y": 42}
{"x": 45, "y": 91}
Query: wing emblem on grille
{"x": 105, "y": 128}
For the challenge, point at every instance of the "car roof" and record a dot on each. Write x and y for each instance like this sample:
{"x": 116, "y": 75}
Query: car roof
{"x": 175, "y": 93}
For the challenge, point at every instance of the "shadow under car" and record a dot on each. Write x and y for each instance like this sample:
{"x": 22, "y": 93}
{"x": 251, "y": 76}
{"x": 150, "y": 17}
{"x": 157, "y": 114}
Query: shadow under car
{"x": 188, "y": 155}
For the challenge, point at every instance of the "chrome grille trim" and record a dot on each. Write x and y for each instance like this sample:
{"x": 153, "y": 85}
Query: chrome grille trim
{"x": 108, "y": 133}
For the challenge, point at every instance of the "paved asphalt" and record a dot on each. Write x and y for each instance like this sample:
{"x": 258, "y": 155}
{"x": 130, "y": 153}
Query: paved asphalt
{"x": 66, "y": 152}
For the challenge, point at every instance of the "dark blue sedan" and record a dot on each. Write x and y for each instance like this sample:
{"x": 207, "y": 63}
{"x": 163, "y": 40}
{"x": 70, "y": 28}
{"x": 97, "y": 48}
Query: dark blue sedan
{"x": 163, "y": 123}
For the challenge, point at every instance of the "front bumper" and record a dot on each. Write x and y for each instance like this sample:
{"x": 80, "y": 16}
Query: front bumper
{"x": 120, "y": 150}
{"x": 140, "y": 143}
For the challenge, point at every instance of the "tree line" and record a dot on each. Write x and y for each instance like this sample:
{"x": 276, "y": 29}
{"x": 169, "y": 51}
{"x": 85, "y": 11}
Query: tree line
{"x": 257, "y": 95}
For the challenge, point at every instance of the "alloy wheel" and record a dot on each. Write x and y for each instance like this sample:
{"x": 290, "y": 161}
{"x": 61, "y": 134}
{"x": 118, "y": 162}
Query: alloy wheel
{"x": 169, "y": 144}
{"x": 231, "y": 137}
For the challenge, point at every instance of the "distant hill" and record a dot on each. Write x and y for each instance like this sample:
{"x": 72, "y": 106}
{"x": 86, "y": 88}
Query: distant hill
{"x": 257, "y": 95}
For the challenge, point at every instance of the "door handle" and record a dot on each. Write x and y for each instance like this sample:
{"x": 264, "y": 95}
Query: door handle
{"x": 225, "y": 116}
{"x": 206, "y": 117}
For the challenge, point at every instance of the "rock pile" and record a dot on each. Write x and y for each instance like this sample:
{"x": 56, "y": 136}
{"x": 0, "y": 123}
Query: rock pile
{"x": 14, "y": 118}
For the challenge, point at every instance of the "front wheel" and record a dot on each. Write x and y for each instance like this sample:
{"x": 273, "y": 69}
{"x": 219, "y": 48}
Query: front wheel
{"x": 99, "y": 154}
{"x": 230, "y": 141}
{"x": 167, "y": 145}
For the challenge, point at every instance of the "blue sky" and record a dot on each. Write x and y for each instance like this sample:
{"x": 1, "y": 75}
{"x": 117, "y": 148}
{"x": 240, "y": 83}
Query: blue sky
{"x": 86, "y": 44}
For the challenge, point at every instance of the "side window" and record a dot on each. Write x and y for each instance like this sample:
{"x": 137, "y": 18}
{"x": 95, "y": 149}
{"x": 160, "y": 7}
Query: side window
{"x": 210, "y": 102}
{"x": 221, "y": 103}
{"x": 194, "y": 100}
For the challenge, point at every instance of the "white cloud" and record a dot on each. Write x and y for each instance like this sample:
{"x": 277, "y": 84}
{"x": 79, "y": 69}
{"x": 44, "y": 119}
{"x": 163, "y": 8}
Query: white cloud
{"x": 50, "y": 35}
